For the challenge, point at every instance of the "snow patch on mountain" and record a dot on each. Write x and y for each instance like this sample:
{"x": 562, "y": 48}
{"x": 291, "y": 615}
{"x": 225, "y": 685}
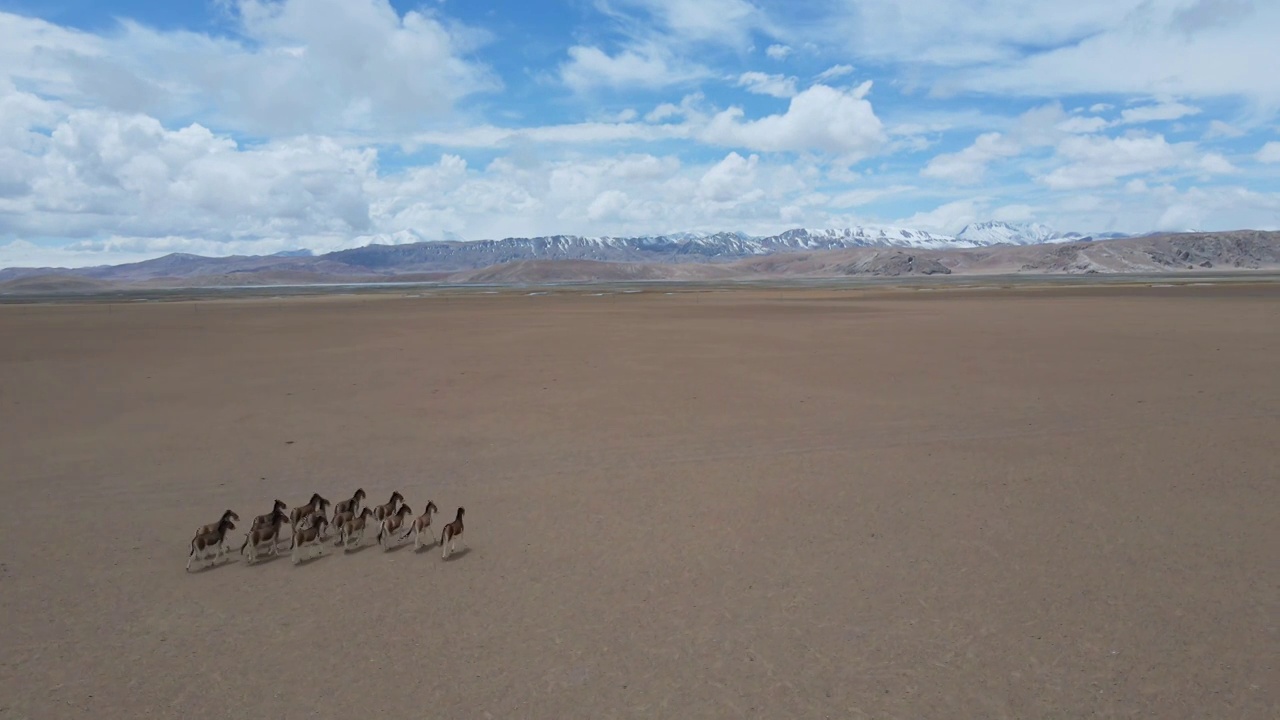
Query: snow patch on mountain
{"x": 1003, "y": 233}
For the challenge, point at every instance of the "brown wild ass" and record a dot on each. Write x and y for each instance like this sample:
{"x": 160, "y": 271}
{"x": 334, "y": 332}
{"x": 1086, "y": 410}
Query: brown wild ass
{"x": 450, "y": 535}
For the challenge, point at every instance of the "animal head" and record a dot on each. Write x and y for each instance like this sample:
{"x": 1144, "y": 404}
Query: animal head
{"x": 395, "y": 496}
{"x": 279, "y": 515}
{"x": 366, "y": 513}
{"x": 359, "y": 494}
{"x": 230, "y": 514}
{"x": 225, "y": 524}
{"x": 431, "y": 507}
{"x": 404, "y": 510}
{"x": 280, "y": 505}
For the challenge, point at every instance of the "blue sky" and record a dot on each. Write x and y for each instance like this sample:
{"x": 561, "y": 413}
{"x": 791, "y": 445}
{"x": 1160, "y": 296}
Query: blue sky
{"x": 133, "y": 129}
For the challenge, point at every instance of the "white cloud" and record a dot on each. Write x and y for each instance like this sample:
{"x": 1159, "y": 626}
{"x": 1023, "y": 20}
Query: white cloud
{"x": 716, "y": 21}
{"x": 1080, "y": 124}
{"x": 1216, "y": 164}
{"x": 733, "y": 179}
{"x": 660, "y": 44}
{"x": 950, "y": 33}
{"x": 649, "y": 66}
{"x": 948, "y": 218}
{"x": 969, "y": 165}
{"x": 778, "y": 52}
{"x": 1220, "y": 129}
{"x": 779, "y": 86}
{"x": 821, "y": 118}
{"x": 1270, "y": 153}
{"x": 833, "y": 72}
{"x": 305, "y": 66}
{"x": 1159, "y": 112}
{"x": 1095, "y": 161}
{"x": 1099, "y": 107}
{"x": 1132, "y": 47}
{"x": 128, "y": 173}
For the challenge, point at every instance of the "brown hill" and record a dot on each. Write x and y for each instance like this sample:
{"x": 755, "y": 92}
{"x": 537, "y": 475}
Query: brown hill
{"x": 53, "y": 284}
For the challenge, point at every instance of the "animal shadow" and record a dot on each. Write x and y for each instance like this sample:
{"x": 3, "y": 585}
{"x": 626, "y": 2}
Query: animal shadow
{"x": 263, "y": 559}
{"x": 399, "y": 546}
{"x": 211, "y": 565}
{"x": 356, "y": 548}
{"x": 459, "y": 553}
{"x": 307, "y": 560}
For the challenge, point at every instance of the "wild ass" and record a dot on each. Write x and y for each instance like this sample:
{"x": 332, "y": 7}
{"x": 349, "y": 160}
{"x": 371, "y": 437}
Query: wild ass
{"x": 381, "y": 512}
{"x": 203, "y": 542}
{"x": 212, "y": 527}
{"x": 267, "y": 518}
{"x": 316, "y": 505}
{"x": 450, "y": 535}
{"x": 351, "y": 505}
{"x": 309, "y": 536}
{"x": 353, "y": 528}
{"x": 263, "y": 535}
{"x": 390, "y": 525}
{"x": 420, "y": 525}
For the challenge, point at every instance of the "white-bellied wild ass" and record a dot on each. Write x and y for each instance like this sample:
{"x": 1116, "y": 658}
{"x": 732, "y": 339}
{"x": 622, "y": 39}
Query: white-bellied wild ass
{"x": 227, "y": 515}
{"x": 390, "y": 525}
{"x": 309, "y": 537}
{"x": 316, "y": 505}
{"x": 339, "y": 519}
{"x": 420, "y": 526}
{"x": 350, "y": 505}
{"x": 263, "y": 535}
{"x": 353, "y": 528}
{"x": 267, "y": 518}
{"x": 382, "y": 512}
{"x": 204, "y": 541}
{"x": 450, "y": 534}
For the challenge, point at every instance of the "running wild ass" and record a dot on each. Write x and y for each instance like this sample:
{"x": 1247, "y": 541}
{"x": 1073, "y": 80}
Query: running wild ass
{"x": 449, "y": 537}
{"x": 203, "y": 542}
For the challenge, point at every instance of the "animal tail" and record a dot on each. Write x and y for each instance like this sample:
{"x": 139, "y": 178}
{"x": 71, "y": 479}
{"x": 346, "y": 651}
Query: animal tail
{"x": 246, "y": 543}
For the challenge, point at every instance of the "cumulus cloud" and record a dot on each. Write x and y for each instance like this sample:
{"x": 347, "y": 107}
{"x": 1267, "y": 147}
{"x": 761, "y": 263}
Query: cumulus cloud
{"x": 302, "y": 66}
{"x": 128, "y": 173}
{"x": 969, "y": 165}
{"x": 949, "y": 217}
{"x": 821, "y": 118}
{"x": 1096, "y": 161}
{"x": 1270, "y": 153}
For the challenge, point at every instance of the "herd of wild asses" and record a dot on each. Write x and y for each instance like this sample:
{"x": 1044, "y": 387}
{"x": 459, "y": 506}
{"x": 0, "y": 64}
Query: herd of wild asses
{"x": 309, "y": 525}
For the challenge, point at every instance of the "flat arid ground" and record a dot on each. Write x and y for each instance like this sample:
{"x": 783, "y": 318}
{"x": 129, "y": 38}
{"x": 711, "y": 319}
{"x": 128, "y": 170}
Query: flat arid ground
{"x": 772, "y": 503}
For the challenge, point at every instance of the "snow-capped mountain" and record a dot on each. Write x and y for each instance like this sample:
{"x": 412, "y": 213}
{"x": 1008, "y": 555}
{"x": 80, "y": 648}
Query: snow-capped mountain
{"x": 412, "y": 251}
{"x": 1002, "y": 233}
{"x": 861, "y": 236}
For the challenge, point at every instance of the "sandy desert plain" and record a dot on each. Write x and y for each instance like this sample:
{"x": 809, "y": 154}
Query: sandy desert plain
{"x": 1030, "y": 502}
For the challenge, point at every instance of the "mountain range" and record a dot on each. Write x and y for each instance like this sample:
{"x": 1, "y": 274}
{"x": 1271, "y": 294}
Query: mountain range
{"x": 987, "y": 247}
